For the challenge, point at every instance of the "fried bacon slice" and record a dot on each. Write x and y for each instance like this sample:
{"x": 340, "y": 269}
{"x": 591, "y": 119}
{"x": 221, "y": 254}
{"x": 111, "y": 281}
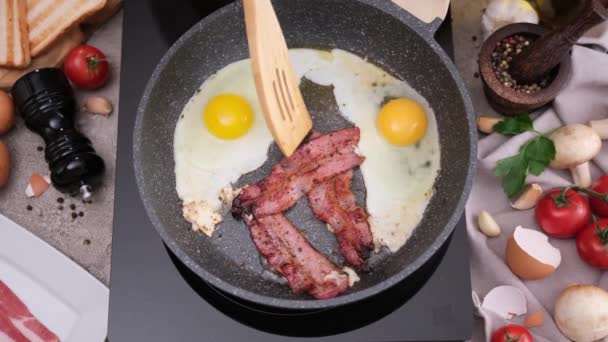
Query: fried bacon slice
{"x": 313, "y": 163}
{"x": 334, "y": 203}
{"x": 289, "y": 254}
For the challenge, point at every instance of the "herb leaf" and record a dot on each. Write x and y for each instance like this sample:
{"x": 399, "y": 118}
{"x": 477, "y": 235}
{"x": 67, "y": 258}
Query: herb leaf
{"x": 514, "y": 171}
{"x": 506, "y": 166}
{"x": 532, "y": 158}
{"x": 540, "y": 149}
{"x": 536, "y": 168}
{"x": 514, "y": 125}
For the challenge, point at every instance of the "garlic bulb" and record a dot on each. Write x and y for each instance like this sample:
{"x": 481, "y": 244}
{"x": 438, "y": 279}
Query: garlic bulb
{"x": 500, "y": 13}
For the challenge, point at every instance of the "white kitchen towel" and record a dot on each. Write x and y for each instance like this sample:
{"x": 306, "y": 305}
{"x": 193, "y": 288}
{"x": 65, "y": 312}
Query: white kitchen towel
{"x": 584, "y": 98}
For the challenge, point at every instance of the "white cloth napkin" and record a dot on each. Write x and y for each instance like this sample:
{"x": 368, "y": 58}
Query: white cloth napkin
{"x": 584, "y": 98}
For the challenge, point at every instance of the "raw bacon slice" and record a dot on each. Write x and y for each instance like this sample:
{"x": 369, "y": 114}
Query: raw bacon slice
{"x": 17, "y": 324}
{"x": 313, "y": 163}
{"x": 334, "y": 203}
{"x": 289, "y": 254}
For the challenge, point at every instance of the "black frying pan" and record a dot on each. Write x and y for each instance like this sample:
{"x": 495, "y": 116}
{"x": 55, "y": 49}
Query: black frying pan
{"x": 379, "y": 29}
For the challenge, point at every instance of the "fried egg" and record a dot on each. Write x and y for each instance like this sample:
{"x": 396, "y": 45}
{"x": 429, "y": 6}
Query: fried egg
{"x": 206, "y": 165}
{"x": 213, "y": 149}
{"x": 398, "y": 178}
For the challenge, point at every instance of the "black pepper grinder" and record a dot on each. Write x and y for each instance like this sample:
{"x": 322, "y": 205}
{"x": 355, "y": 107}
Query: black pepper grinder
{"x": 45, "y": 100}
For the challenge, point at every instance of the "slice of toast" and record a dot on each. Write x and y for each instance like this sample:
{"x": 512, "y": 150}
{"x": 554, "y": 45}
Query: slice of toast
{"x": 49, "y": 19}
{"x": 14, "y": 45}
{"x": 52, "y": 57}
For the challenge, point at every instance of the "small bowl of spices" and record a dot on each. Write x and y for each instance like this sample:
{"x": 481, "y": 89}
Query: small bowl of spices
{"x": 505, "y": 93}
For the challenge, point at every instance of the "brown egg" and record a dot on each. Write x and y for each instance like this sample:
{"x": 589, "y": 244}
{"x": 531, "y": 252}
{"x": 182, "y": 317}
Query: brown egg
{"x": 530, "y": 256}
{"x": 5, "y": 164}
{"x": 7, "y": 112}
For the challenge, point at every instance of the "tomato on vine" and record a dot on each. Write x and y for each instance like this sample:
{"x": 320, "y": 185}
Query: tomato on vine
{"x": 562, "y": 213}
{"x": 592, "y": 244}
{"x": 599, "y": 205}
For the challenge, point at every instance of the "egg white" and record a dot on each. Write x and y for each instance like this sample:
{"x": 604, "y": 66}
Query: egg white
{"x": 205, "y": 164}
{"x": 399, "y": 180}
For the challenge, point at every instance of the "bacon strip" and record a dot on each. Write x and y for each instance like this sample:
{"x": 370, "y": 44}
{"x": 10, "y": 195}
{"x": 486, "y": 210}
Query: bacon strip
{"x": 334, "y": 203}
{"x": 313, "y": 163}
{"x": 16, "y": 321}
{"x": 289, "y": 254}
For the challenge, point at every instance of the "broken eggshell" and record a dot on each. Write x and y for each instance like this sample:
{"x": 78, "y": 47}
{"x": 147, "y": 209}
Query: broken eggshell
{"x": 37, "y": 185}
{"x": 505, "y": 301}
{"x": 530, "y": 256}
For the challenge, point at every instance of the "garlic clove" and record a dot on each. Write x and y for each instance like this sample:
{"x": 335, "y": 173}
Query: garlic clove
{"x": 500, "y": 13}
{"x": 528, "y": 198}
{"x": 486, "y": 124}
{"x": 487, "y": 224}
{"x": 98, "y": 105}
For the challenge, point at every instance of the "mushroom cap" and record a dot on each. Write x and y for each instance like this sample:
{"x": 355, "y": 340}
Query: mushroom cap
{"x": 575, "y": 144}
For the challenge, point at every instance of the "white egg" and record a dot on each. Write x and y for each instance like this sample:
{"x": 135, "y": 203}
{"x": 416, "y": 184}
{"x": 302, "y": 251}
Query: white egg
{"x": 398, "y": 179}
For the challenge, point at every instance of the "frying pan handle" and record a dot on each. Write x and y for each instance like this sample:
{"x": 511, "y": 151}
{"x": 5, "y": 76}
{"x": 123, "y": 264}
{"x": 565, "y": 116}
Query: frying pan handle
{"x": 431, "y": 12}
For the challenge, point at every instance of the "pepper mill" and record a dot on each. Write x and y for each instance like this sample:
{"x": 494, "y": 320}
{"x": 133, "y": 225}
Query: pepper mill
{"x": 546, "y": 52}
{"x": 45, "y": 100}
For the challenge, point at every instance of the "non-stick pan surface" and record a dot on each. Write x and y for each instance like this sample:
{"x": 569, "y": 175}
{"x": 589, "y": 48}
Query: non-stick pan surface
{"x": 378, "y": 29}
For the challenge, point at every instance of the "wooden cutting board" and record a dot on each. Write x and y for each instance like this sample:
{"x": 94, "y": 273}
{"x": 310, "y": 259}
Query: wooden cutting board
{"x": 54, "y": 56}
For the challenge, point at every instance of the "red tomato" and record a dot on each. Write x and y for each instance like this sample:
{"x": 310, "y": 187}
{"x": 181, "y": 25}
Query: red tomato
{"x": 512, "y": 333}
{"x": 599, "y": 206}
{"x": 562, "y": 218}
{"x": 87, "y": 67}
{"x": 591, "y": 244}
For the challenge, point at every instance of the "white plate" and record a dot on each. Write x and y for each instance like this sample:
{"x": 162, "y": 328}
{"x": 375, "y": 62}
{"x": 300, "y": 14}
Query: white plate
{"x": 59, "y": 293}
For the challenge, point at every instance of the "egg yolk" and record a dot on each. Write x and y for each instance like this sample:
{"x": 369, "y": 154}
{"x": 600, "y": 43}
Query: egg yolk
{"x": 402, "y": 122}
{"x": 228, "y": 116}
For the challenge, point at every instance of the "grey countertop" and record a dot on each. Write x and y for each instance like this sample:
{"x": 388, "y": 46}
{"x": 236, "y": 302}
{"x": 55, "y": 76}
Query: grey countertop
{"x": 86, "y": 239}
{"x": 468, "y": 37}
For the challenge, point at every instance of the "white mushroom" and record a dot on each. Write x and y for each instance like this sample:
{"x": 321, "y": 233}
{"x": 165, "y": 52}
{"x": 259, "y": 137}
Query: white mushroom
{"x": 576, "y": 145}
{"x": 600, "y": 127}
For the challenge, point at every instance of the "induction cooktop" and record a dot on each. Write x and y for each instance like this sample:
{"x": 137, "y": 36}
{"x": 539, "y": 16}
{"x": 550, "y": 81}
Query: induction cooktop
{"x": 153, "y": 297}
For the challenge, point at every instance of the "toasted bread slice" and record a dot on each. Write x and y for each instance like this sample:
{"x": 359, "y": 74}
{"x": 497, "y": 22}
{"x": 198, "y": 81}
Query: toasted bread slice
{"x": 14, "y": 45}
{"x": 52, "y": 57}
{"x": 49, "y": 19}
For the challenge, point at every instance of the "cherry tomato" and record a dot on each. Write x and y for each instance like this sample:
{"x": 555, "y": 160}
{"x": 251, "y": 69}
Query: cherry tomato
{"x": 87, "y": 67}
{"x": 562, "y": 217}
{"x": 512, "y": 333}
{"x": 591, "y": 244}
{"x": 599, "y": 206}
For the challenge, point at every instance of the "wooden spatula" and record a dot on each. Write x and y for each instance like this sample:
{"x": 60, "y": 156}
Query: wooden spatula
{"x": 284, "y": 109}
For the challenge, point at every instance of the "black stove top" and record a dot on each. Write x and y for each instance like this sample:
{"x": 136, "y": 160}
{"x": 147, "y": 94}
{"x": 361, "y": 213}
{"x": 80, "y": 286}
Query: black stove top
{"x": 154, "y": 297}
